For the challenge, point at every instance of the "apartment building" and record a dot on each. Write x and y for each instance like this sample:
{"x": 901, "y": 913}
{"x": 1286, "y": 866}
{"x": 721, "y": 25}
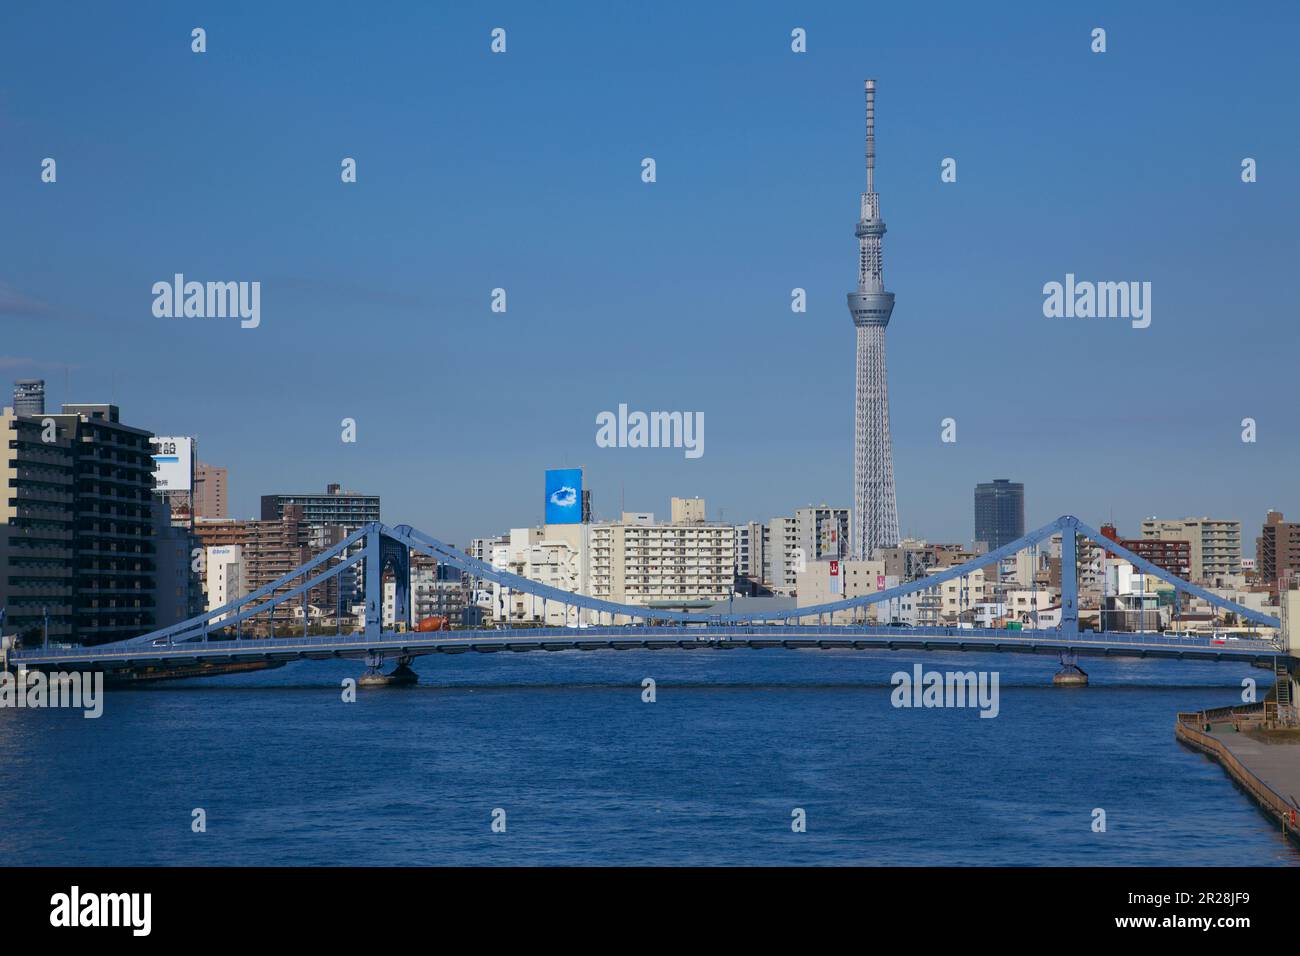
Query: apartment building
{"x": 37, "y": 520}
{"x": 1169, "y": 554}
{"x": 687, "y": 510}
{"x": 226, "y": 578}
{"x": 751, "y": 539}
{"x": 210, "y": 491}
{"x": 346, "y": 509}
{"x": 115, "y": 571}
{"x": 554, "y": 555}
{"x": 1277, "y": 551}
{"x": 271, "y": 549}
{"x": 662, "y": 565}
{"x": 914, "y": 558}
{"x": 783, "y": 559}
{"x": 1215, "y": 544}
{"x": 824, "y": 582}
{"x": 958, "y": 597}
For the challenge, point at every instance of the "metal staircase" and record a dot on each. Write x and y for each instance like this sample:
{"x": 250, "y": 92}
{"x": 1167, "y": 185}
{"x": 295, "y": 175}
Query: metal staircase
{"x": 1281, "y": 708}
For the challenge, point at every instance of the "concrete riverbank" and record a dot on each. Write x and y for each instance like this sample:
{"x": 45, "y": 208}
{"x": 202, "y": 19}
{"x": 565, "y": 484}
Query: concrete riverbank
{"x": 1263, "y": 762}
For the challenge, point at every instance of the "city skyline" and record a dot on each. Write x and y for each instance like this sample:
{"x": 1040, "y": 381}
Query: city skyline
{"x": 718, "y": 515}
{"x": 412, "y": 254}
{"x": 360, "y": 510}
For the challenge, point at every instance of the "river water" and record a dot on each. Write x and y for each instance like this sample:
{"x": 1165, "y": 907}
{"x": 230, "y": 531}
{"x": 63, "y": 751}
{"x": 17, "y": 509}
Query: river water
{"x": 586, "y": 772}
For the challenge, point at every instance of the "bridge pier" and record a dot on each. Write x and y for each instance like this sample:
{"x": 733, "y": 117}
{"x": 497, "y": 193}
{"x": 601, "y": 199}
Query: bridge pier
{"x": 1070, "y": 674}
{"x": 401, "y": 675}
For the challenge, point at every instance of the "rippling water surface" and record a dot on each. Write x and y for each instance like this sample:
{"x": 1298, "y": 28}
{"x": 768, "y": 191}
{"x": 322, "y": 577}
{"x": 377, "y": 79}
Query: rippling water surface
{"x": 589, "y": 774}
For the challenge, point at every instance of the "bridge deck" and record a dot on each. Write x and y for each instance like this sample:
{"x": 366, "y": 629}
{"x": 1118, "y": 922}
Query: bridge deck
{"x": 828, "y": 637}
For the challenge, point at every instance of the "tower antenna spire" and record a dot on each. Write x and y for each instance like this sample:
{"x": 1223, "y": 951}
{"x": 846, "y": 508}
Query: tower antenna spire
{"x": 870, "y": 86}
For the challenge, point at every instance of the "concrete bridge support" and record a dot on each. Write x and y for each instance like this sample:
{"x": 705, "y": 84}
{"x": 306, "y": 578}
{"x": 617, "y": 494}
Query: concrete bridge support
{"x": 401, "y": 676}
{"x": 1070, "y": 674}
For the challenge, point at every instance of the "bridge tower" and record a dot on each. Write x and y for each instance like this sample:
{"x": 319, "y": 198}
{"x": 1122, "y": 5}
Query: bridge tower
{"x": 386, "y": 553}
{"x": 1070, "y": 674}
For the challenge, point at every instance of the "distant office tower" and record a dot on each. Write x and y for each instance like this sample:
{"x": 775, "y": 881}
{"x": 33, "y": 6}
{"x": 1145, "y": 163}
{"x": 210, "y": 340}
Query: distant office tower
{"x": 210, "y": 491}
{"x": 999, "y": 512}
{"x": 29, "y": 396}
{"x": 875, "y": 508}
{"x": 348, "y": 509}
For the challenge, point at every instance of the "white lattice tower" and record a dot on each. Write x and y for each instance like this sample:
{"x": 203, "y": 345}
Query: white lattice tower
{"x": 875, "y": 507}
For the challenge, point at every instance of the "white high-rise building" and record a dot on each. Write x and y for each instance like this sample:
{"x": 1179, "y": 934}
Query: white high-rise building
{"x": 226, "y": 577}
{"x": 554, "y": 555}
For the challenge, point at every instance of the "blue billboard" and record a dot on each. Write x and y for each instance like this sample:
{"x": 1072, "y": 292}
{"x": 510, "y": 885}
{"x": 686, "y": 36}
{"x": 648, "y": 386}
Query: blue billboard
{"x": 564, "y": 496}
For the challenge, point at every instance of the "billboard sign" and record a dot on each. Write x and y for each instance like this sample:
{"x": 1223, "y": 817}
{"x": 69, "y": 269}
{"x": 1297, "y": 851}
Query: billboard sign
{"x": 173, "y": 463}
{"x": 564, "y": 496}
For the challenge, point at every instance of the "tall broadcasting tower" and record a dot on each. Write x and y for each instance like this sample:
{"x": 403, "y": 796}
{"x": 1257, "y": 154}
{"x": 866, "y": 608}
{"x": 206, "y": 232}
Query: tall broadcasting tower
{"x": 875, "y": 509}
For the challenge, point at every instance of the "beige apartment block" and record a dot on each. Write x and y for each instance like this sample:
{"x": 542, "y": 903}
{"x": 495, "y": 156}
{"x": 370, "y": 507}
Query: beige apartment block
{"x": 1216, "y": 543}
{"x": 662, "y": 565}
{"x": 961, "y": 595}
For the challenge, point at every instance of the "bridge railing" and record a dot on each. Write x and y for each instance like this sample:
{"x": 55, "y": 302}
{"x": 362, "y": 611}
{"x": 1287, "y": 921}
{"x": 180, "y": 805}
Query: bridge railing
{"x": 399, "y": 641}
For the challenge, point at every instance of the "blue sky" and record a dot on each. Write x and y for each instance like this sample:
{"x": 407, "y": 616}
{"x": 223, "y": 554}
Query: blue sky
{"x": 523, "y": 171}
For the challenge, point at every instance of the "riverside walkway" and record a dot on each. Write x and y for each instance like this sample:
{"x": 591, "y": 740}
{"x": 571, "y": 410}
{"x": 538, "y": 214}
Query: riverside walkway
{"x": 1267, "y": 769}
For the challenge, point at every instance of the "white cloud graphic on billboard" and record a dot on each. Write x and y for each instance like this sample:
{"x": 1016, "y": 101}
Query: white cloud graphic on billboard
{"x": 564, "y": 497}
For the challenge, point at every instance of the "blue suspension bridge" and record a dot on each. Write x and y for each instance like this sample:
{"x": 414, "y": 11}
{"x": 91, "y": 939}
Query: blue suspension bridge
{"x": 218, "y": 641}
